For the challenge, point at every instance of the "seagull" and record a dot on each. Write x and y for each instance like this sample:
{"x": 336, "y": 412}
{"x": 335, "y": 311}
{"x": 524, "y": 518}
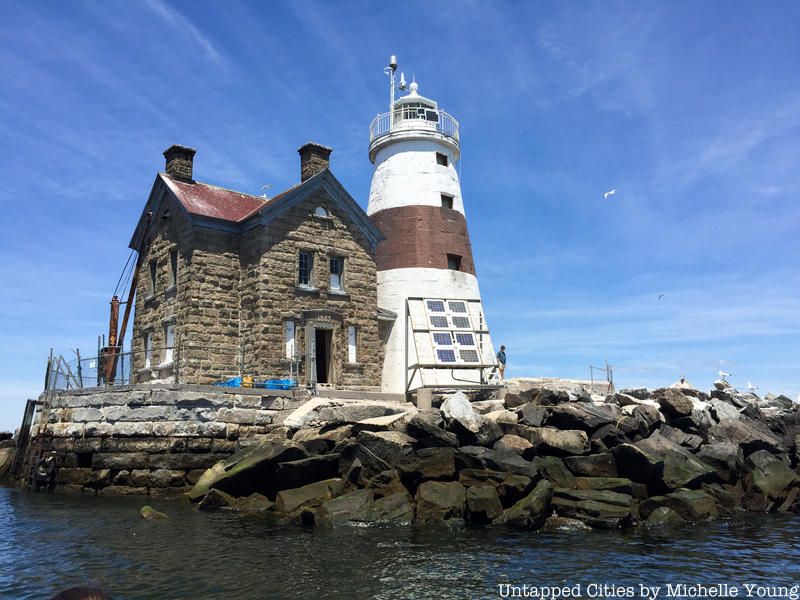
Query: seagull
{"x": 265, "y": 187}
{"x": 723, "y": 375}
{"x": 751, "y": 387}
{"x": 609, "y": 193}
{"x": 660, "y": 296}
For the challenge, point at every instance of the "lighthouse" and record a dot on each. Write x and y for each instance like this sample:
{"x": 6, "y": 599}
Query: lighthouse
{"x": 426, "y": 272}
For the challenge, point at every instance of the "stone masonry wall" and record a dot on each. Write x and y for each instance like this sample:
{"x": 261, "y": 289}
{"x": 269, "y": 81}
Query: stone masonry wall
{"x": 271, "y": 294}
{"x": 155, "y": 440}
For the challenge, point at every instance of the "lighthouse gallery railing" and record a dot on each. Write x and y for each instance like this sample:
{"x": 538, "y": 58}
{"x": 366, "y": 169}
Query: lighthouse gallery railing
{"x": 411, "y": 119}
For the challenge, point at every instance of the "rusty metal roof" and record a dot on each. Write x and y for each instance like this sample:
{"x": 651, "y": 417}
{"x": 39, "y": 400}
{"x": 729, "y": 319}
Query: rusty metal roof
{"x": 207, "y": 200}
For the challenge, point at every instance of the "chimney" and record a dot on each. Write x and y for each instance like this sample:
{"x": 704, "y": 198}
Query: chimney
{"x": 313, "y": 159}
{"x": 179, "y": 162}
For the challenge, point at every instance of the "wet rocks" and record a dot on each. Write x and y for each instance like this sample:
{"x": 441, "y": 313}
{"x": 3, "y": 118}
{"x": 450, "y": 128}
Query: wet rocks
{"x": 530, "y": 512}
{"x": 440, "y": 501}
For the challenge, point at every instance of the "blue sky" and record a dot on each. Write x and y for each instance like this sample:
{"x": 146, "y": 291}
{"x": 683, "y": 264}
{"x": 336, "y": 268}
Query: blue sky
{"x": 691, "y": 111}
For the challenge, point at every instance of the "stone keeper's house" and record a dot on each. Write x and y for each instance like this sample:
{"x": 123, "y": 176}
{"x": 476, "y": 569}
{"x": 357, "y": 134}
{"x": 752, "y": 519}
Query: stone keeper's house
{"x": 234, "y": 283}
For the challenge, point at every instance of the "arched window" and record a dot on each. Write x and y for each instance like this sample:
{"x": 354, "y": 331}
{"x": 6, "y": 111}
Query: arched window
{"x": 321, "y": 211}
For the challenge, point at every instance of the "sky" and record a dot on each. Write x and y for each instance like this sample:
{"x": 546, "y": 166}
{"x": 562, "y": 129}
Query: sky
{"x": 690, "y": 111}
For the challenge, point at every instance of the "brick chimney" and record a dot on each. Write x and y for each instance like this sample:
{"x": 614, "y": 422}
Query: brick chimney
{"x": 179, "y": 161}
{"x": 313, "y": 159}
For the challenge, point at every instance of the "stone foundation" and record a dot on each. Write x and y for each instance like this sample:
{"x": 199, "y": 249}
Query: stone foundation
{"x": 155, "y": 440}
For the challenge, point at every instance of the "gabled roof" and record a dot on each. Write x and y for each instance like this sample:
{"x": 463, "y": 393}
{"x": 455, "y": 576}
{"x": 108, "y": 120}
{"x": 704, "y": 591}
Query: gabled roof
{"x": 206, "y": 200}
{"x": 220, "y": 208}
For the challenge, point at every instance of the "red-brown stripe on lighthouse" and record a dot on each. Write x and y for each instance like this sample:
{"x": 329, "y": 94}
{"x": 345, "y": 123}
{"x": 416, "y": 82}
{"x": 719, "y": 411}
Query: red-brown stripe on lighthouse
{"x": 422, "y": 237}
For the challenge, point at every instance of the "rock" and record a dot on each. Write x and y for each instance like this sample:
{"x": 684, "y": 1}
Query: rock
{"x": 424, "y": 428}
{"x": 612, "y": 484}
{"x": 512, "y": 401}
{"x": 151, "y": 514}
{"x": 353, "y": 506}
{"x": 726, "y": 458}
{"x": 593, "y": 465}
{"x": 638, "y": 393}
{"x": 691, "y": 505}
{"x": 439, "y": 501}
{"x": 396, "y": 422}
{"x": 470, "y": 477}
{"x": 254, "y": 503}
{"x": 471, "y": 457}
{"x": 663, "y": 518}
{"x": 297, "y": 473}
{"x": 553, "y": 469}
{"x": 513, "y": 443}
{"x": 6, "y": 461}
{"x": 457, "y": 406}
{"x": 728, "y": 497}
{"x": 681, "y": 468}
{"x": 483, "y": 504}
{"x": 686, "y": 440}
{"x": 389, "y": 446}
{"x": 514, "y": 488}
{"x": 386, "y": 483}
{"x": 637, "y": 465}
{"x": 509, "y": 462}
{"x": 782, "y": 402}
{"x": 504, "y": 418}
{"x": 546, "y": 440}
{"x": 557, "y": 523}
{"x": 470, "y": 427}
{"x": 427, "y": 464}
{"x": 531, "y": 512}
{"x": 311, "y": 495}
{"x": 486, "y": 407}
{"x": 648, "y": 418}
{"x": 551, "y": 397}
{"x": 393, "y": 508}
{"x": 769, "y": 475}
{"x": 608, "y": 436}
{"x": 674, "y": 404}
{"x": 722, "y": 385}
{"x": 749, "y": 434}
{"x": 532, "y": 414}
{"x": 371, "y": 464}
{"x": 586, "y": 417}
{"x": 723, "y": 411}
{"x": 598, "y": 508}
{"x": 249, "y": 470}
{"x": 215, "y": 500}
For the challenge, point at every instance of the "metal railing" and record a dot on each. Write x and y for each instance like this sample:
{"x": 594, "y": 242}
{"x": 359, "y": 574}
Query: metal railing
{"x": 406, "y": 119}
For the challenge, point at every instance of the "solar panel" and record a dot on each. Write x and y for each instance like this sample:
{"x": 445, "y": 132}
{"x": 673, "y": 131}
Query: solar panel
{"x": 439, "y": 322}
{"x": 468, "y": 355}
{"x": 446, "y": 355}
{"x": 436, "y": 306}
{"x": 465, "y": 339}
{"x": 442, "y": 339}
{"x": 461, "y": 322}
{"x": 457, "y": 306}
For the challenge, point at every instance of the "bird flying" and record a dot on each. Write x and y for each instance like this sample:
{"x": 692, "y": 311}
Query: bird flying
{"x": 660, "y": 296}
{"x": 609, "y": 193}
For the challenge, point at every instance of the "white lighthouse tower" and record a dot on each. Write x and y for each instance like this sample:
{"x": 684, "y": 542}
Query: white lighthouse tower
{"x": 426, "y": 273}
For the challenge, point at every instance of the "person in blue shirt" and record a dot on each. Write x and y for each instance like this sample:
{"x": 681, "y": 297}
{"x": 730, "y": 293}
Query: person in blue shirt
{"x": 501, "y": 359}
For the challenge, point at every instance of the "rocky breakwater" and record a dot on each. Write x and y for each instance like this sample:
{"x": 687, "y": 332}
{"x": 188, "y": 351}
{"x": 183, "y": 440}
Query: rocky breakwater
{"x": 546, "y": 456}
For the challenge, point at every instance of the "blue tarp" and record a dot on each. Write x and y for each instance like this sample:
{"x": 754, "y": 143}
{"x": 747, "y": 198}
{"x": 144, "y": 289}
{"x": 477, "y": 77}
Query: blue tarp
{"x": 270, "y": 384}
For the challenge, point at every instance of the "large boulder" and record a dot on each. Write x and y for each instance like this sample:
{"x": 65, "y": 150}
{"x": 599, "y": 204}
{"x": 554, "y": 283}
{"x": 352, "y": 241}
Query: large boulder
{"x": 370, "y": 463}
{"x": 620, "y": 485}
{"x": 425, "y": 427}
{"x": 749, "y": 434}
{"x": 691, "y": 505}
{"x": 470, "y": 427}
{"x": 351, "y": 507}
{"x": 586, "y": 417}
{"x": 546, "y": 440}
{"x": 648, "y": 417}
{"x": 674, "y": 404}
{"x": 663, "y": 518}
{"x": 215, "y": 500}
{"x": 638, "y": 465}
{"x": 513, "y": 443}
{"x": 307, "y": 496}
{"x": 553, "y": 469}
{"x": 681, "y": 467}
{"x": 723, "y": 411}
{"x": 390, "y": 446}
{"x": 727, "y": 459}
{"x": 531, "y": 512}
{"x": 593, "y": 465}
{"x": 598, "y": 508}
{"x": 297, "y": 473}
{"x": 440, "y": 501}
{"x": 427, "y": 464}
{"x": 392, "y": 508}
{"x": 769, "y": 475}
{"x": 483, "y": 504}
{"x": 249, "y": 470}
{"x": 686, "y": 440}
{"x": 551, "y": 397}
{"x": 532, "y": 414}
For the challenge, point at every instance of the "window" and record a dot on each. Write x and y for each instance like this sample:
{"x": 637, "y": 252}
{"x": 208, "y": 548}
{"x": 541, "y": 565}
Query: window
{"x": 288, "y": 336}
{"x": 454, "y": 262}
{"x": 337, "y": 270}
{"x": 441, "y": 159}
{"x": 173, "y": 268}
{"x": 351, "y": 344}
{"x": 305, "y": 269}
{"x": 148, "y": 350}
{"x": 447, "y": 201}
{"x": 152, "y": 277}
{"x": 321, "y": 211}
{"x": 169, "y": 343}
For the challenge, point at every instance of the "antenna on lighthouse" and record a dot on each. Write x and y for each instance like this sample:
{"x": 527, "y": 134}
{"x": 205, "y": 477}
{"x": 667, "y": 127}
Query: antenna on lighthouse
{"x": 390, "y": 70}
{"x": 402, "y": 85}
